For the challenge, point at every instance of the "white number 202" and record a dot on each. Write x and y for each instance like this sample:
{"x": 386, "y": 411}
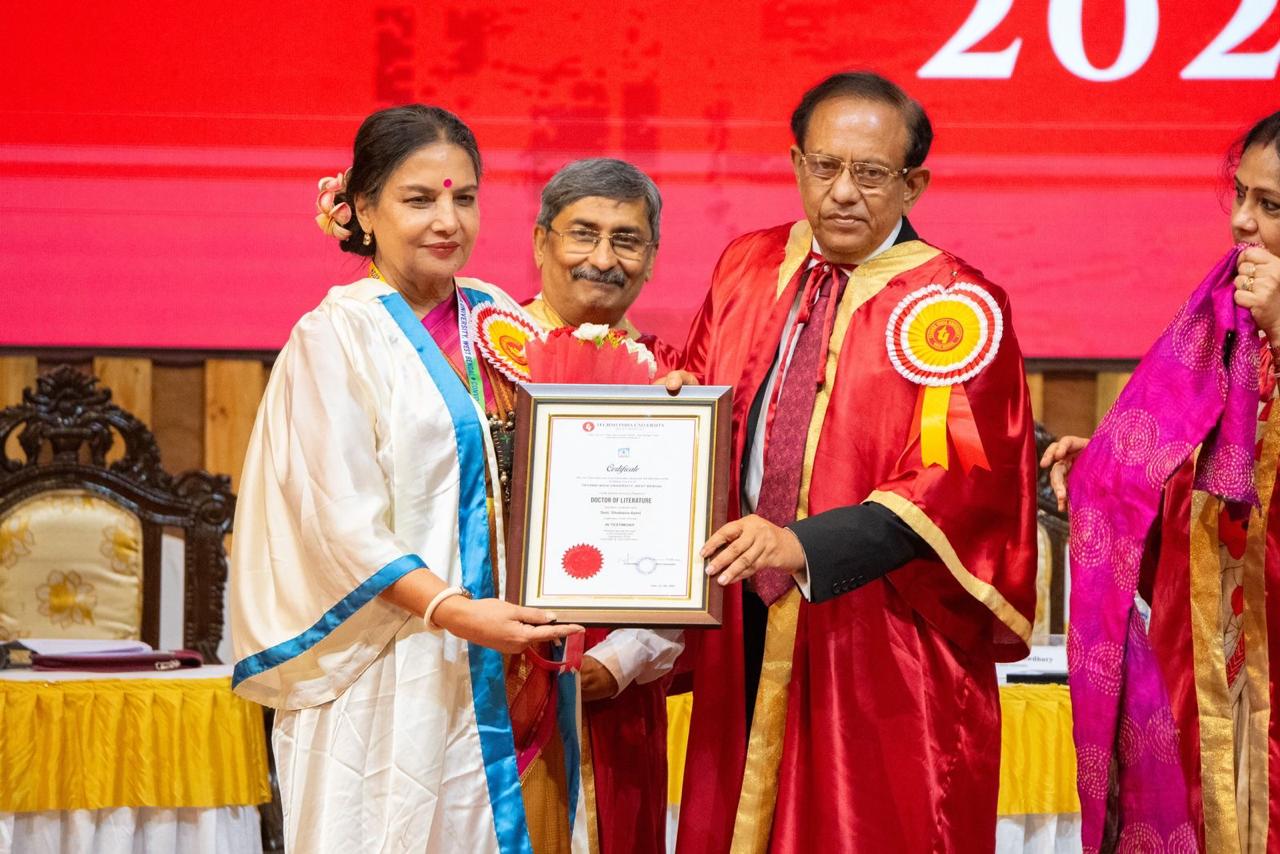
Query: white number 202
{"x": 1218, "y": 61}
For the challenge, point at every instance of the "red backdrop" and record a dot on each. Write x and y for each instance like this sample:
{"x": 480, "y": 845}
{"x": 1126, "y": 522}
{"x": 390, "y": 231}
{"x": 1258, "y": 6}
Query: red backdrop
{"x": 160, "y": 160}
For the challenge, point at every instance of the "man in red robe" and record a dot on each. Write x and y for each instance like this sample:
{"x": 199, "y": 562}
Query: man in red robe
{"x": 594, "y": 243}
{"x": 884, "y": 452}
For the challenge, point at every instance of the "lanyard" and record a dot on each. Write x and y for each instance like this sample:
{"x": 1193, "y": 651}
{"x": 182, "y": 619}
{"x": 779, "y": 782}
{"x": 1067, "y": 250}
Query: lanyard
{"x": 472, "y": 366}
{"x": 465, "y": 336}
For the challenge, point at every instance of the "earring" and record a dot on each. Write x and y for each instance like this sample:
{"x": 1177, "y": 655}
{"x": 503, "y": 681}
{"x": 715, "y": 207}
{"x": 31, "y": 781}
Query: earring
{"x": 368, "y": 238}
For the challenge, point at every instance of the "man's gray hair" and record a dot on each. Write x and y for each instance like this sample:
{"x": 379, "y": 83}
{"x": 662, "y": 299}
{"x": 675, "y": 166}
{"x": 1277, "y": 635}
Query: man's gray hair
{"x": 606, "y": 178}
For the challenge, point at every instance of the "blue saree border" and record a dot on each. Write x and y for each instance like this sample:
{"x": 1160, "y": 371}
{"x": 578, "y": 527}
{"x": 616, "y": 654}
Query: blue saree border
{"x": 274, "y": 656}
{"x": 567, "y": 720}
{"x": 488, "y": 683}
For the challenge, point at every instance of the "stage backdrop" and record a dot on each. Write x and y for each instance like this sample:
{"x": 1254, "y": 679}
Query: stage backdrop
{"x": 159, "y": 159}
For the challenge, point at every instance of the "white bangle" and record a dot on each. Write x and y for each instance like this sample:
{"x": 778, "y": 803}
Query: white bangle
{"x": 435, "y": 603}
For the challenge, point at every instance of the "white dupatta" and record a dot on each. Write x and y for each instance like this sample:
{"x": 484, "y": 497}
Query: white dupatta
{"x": 363, "y": 466}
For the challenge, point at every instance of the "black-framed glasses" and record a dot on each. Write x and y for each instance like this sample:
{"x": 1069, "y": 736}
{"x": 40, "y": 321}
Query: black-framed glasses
{"x": 583, "y": 241}
{"x": 868, "y": 176}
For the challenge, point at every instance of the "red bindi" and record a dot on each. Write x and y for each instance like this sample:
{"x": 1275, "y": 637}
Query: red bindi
{"x": 448, "y": 182}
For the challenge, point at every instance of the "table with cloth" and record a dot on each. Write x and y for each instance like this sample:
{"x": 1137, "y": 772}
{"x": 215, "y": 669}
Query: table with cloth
{"x": 1039, "y": 811}
{"x": 129, "y": 762}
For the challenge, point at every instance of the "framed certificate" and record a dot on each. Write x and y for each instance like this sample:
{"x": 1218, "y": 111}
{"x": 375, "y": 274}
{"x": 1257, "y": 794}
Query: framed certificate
{"x": 615, "y": 489}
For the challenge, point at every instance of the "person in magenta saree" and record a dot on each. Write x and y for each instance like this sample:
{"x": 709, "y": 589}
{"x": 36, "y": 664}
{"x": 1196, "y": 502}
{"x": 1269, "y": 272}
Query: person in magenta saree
{"x": 1177, "y": 732}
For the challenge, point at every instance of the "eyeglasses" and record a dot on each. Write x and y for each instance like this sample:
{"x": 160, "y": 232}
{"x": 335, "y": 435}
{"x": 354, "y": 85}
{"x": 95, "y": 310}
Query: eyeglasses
{"x": 583, "y": 241}
{"x": 868, "y": 176}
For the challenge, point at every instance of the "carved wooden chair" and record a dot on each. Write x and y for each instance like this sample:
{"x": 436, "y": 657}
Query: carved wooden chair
{"x": 80, "y": 536}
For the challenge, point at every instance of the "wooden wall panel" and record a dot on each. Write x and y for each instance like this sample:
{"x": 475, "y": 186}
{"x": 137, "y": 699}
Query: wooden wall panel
{"x": 16, "y": 373}
{"x": 177, "y": 415}
{"x": 130, "y": 384}
{"x": 232, "y": 389}
{"x": 83, "y": 364}
{"x": 1110, "y": 384}
{"x": 1070, "y": 403}
{"x": 1035, "y": 388}
{"x": 202, "y": 411}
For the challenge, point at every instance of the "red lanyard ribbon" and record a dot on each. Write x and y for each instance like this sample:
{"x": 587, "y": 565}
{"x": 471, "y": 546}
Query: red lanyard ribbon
{"x": 572, "y": 661}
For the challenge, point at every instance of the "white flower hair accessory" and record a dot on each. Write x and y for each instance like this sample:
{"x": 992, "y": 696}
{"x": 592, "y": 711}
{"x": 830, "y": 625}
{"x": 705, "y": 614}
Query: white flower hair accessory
{"x": 330, "y": 217}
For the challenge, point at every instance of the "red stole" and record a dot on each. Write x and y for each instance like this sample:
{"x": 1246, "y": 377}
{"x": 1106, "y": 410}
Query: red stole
{"x": 628, "y": 756}
{"x": 1165, "y": 583}
{"x": 892, "y": 729}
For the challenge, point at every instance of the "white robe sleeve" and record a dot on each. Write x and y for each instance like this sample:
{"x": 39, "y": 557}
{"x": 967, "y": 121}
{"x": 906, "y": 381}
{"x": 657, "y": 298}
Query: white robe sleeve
{"x": 322, "y": 438}
{"x": 313, "y": 546}
{"x": 638, "y": 655}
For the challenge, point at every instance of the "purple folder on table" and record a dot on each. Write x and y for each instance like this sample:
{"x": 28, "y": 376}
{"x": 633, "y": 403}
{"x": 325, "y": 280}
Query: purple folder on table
{"x": 119, "y": 662}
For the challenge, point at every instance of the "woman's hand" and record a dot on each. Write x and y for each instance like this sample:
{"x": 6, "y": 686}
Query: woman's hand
{"x": 1258, "y": 289}
{"x": 1058, "y": 458}
{"x": 498, "y": 624}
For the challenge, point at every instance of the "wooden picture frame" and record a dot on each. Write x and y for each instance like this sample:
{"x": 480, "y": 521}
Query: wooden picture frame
{"x": 614, "y": 490}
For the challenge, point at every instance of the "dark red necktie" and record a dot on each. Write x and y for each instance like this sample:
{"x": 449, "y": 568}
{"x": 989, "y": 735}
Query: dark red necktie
{"x": 789, "y": 428}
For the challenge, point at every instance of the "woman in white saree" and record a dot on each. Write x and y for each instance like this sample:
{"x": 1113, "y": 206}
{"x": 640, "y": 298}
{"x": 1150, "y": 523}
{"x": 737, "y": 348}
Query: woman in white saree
{"x": 368, "y": 551}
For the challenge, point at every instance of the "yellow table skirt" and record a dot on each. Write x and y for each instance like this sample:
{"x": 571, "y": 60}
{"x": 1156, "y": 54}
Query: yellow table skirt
{"x": 129, "y": 743}
{"x": 1037, "y": 754}
{"x": 1038, "y": 758}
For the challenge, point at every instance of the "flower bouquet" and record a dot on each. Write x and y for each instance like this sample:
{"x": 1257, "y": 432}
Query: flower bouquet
{"x": 590, "y": 353}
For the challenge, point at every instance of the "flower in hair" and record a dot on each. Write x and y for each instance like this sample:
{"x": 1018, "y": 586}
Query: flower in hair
{"x": 330, "y": 217}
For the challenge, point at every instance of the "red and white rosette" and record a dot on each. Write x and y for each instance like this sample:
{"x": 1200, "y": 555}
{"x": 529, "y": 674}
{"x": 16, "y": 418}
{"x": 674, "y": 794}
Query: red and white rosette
{"x": 939, "y": 337}
{"x": 502, "y": 335}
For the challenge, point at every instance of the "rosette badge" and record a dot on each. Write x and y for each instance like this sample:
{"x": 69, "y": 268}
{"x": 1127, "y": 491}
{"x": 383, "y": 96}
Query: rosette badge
{"x": 939, "y": 338}
{"x": 504, "y": 337}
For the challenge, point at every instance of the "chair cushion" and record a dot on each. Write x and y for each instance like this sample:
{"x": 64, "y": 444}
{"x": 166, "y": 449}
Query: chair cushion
{"x": 70, "y": 566}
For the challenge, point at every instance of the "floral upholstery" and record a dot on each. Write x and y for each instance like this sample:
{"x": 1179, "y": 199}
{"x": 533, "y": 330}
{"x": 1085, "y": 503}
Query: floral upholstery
{"x": 70, "y": 566}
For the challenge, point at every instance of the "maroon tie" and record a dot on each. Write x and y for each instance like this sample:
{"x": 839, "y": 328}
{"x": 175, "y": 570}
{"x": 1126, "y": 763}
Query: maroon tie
{"x": 789, "y": 430}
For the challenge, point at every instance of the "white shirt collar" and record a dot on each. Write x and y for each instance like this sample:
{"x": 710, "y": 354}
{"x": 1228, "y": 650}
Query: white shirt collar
{"x": 888, "y": 241}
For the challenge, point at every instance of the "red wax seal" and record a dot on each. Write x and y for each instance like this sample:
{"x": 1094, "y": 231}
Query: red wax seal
{"x": 582, "y": 561}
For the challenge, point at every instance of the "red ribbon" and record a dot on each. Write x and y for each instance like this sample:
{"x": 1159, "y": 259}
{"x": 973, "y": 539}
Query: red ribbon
{"x": 572, "y": 661}
{"x": 962, "y": 430}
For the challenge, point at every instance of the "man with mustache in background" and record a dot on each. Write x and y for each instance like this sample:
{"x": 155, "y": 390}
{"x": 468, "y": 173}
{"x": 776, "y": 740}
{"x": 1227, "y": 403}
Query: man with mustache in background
{"x": 594, "y": 243}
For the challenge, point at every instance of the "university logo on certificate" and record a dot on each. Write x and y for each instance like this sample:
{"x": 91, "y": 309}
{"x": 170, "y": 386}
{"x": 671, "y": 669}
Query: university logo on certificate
{"x": 615, "y": 490}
